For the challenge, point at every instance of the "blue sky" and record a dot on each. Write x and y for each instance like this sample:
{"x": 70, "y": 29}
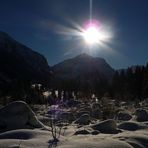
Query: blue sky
{"x": 38, "y": 24}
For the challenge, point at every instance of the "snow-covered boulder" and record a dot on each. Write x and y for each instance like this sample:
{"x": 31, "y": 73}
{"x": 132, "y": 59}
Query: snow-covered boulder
{"x": 141, "y": 115}
{"x": 107, "y": 126}
{"x": 83, "y": 120}
{"x": 80, "y": 113}
{"x": 95, "y": 132}
{"x": 124, "y": 116}
{"x": 131, "y": 125}
{"x": 82, "y": 132}
{"x": 17, "y": 115}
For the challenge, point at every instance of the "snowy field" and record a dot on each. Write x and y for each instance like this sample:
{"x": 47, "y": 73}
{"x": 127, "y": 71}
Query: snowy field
{"x": 82, "y": 125}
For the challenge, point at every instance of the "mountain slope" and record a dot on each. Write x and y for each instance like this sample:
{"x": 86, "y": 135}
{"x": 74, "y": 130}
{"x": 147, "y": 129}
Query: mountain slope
{"x": 84, "y": 68}
{"x": 20, "y": 62}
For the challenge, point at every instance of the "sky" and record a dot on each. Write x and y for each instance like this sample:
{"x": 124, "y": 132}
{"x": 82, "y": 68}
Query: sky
{"x": 49, "y": 26}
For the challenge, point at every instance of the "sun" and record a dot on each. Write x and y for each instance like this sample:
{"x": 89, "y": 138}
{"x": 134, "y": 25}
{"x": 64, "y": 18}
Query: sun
{"x": 91, "y": 35}
{"x": 95, "y": 34}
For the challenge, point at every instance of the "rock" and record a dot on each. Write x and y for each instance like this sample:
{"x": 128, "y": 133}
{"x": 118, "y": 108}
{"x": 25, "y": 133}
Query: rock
{"x": 22, "y": 134}
{"x": 141, "y": 115}
{"x": 95, "y": 132}
{"x": 82, "y": 132}
{"x": 124, "y": 116}
{"x": 131, "y": 126}
{"x": 83, "y": 120}
{"x": 17, "y": 115}
{"x": 80, "y": 113}
{"x": 108, "y": 126}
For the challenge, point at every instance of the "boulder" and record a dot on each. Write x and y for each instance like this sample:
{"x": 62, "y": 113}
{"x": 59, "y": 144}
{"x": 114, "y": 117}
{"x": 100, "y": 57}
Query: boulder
{"x": 131, "y": 126}
{"x": 83, "y": 120}
{"x": 82, "y": 132}
{"x": 95, "y": 132}
{"x": 17, "y": 115}
{"x": 124, "y": 116}
{"x": 80, "y": 113}
{"x": 141, "y": 115}
{"x": 108, "y": 126}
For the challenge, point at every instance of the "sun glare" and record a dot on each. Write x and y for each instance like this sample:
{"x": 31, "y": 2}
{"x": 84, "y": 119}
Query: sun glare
{"x": 91, "y": 35}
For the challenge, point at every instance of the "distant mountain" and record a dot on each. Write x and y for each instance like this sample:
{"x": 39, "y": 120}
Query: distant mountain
{"x": 20, "y": 62}
{"x": 82, "y": 70}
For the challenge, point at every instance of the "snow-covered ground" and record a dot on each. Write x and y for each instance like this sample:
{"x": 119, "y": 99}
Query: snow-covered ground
{"x": 128, "y": 129}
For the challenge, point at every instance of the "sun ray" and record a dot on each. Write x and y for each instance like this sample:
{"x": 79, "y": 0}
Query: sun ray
{"x": 90, "y": 10}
